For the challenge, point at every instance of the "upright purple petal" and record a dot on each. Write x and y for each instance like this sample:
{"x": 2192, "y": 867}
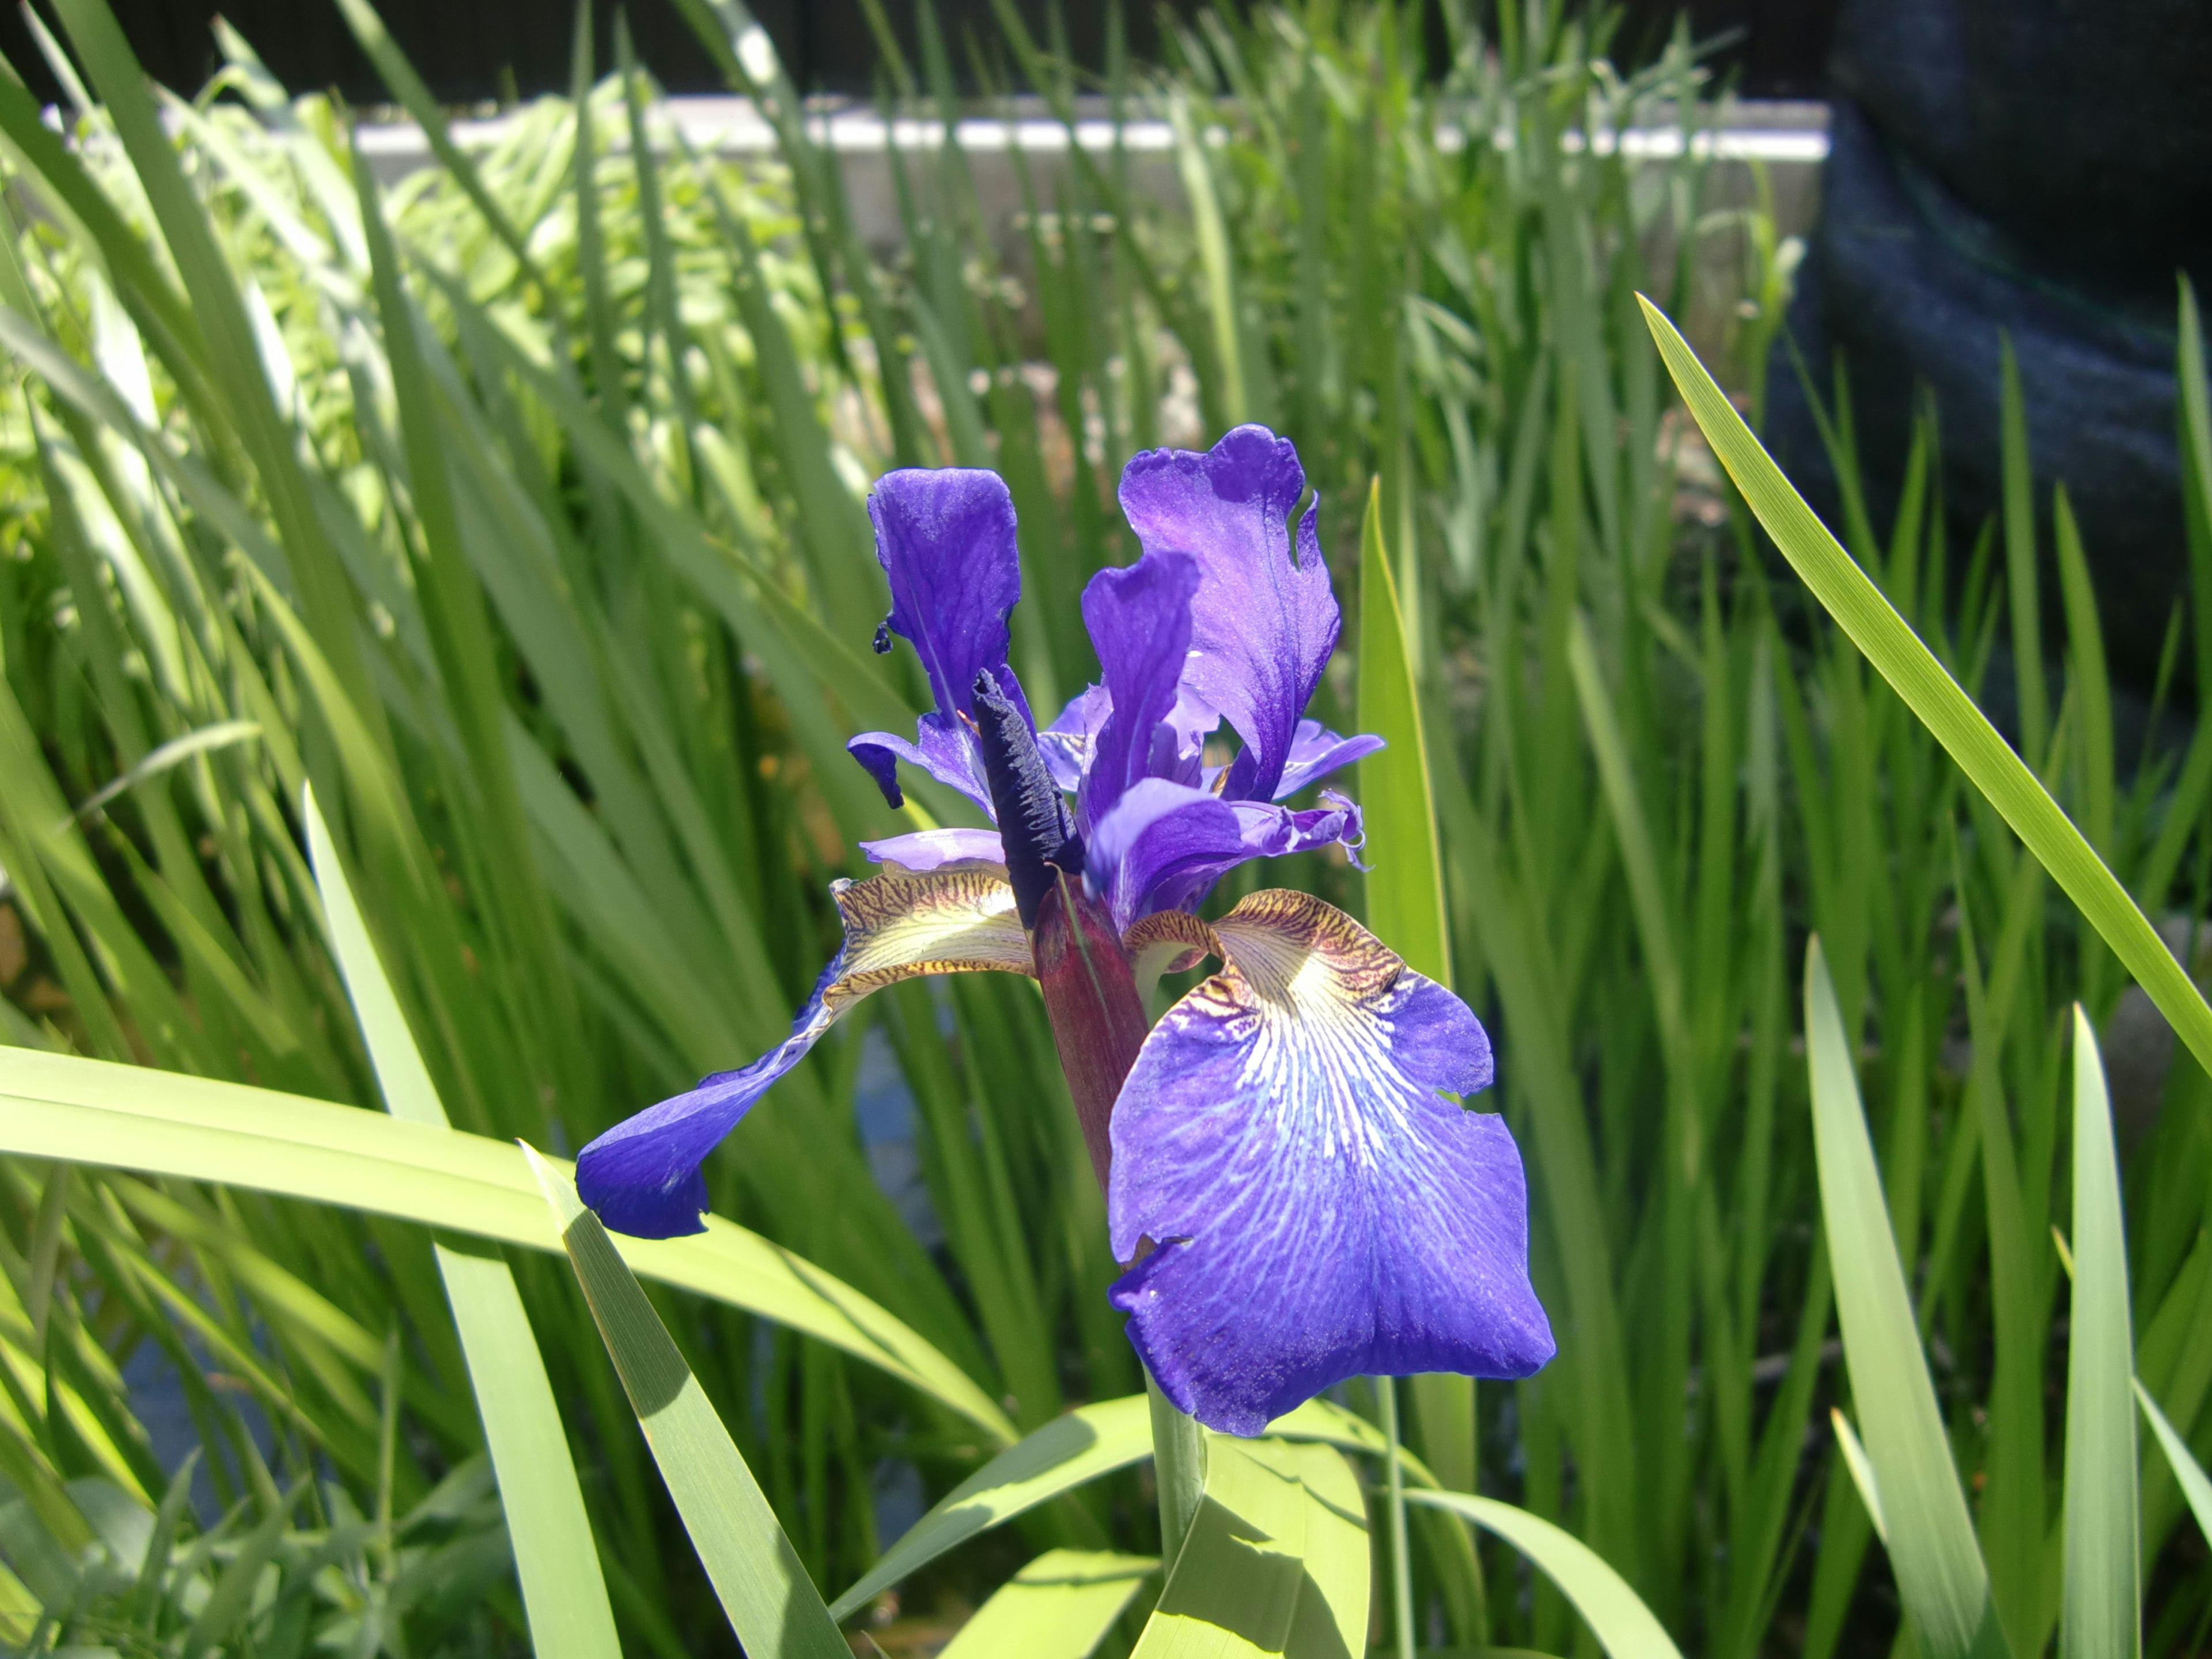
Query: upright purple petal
{"x": 1165, "y": 844}
{"x": 1140, "y": 621}
{"x": 945, "y": 540}
{"x": 1306, "y": 1205}
{"x": 642, "y": 1175}
{"x": 1263, "y": 624}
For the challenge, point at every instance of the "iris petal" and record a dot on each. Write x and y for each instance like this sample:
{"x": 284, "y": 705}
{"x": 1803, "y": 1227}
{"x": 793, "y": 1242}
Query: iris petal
{"x": 1140, "y": 621}
{"x": 1263, "y": 624}
{"x": 1316, "y": 751}
{"x": 1067, "y": 743}
{"x": 945, "y": 539}
{"x": 942, "y": 748}
{"x": 642, "y": 1175}
{"x": 926, "y": 850}
{"x": 1314, "y": 1209}
{"x": 1165, "y": 843}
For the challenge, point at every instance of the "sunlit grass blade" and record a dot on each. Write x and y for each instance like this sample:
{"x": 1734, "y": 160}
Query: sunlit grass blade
{"x": 1276, "y": 1561}
{"x": 2188, "y": 1472}
{"x": 2099, "y": 1619}
{"x": 773, "y": 1605}
{"x": 555, "y": 1556}
{"x": 1404, "y": 884}
{"x": 1939, "y": 1574}
{"x": 1079, "y": 1447}
{"x": 1850, "y": 596}
{"x": 91, "y": 1112}
{"x": 1059, "y": 1607}
{"x": 1861, "y": 1471}
{"x": 1621, "y": 1623}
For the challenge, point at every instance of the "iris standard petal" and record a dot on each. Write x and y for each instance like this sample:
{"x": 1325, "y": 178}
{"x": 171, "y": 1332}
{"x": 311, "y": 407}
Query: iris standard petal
{"x": 1165, "y": 843}
{"x": 1067, "y": 743}
{"x": 1306, "y": 1206}
{"x": 1139, "y": 616}
{"x": 642, "y": 1175}
{"x": 1263, "y": 624}
{"x": 945, "y": 539}
{"x": 1316, "y": 751}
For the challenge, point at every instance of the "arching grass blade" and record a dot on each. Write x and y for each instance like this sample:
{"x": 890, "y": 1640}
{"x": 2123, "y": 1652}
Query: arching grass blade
{"x": 773, "y": 1605}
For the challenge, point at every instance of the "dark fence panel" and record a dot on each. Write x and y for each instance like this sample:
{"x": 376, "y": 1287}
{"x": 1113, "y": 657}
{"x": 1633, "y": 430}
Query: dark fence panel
{"x": 472, "y": 51}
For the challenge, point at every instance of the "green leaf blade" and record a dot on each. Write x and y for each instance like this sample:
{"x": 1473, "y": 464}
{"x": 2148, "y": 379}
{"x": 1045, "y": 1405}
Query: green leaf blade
{"x": 1932, "y": 1549}
{"x": 1622, "y": 1624}
{"x": 2099, "y": 1619}
{"x": 563, "y": 1592}
{"x": 1889, "y": 643}
{"x": 1059, "y": 1607}
{"x": 773, "y": 1605}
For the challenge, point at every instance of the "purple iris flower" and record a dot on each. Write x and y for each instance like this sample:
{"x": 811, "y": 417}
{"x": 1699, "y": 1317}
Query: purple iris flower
{"x": 1298, "y": 1198}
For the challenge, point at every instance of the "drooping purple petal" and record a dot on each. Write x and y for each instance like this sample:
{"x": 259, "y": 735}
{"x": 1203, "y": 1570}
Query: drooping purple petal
{"x": 1263, "y": 624}
{"x": 1310, "y": 1207}
{"x": 945, "y": 539}
{"x": 1165, "y": 844}
{"x": 925, "y": 850}
{"x": 1316, "y": 752}
{"x": 642, "y": 1175}
{"x": 1140, "y": 621}
{"x": 942, "y": 748}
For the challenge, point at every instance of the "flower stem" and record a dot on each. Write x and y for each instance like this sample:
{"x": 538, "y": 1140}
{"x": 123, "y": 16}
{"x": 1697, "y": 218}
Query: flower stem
{"x": 1401, "y": 1566}
{"x": 1091, "y": 997}
{"x": 1178, "y": 1469}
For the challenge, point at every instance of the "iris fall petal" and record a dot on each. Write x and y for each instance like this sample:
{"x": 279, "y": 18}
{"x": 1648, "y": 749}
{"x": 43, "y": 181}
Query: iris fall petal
{"x": 1313, "y": 1208}
{"x": 642, "y": 1175}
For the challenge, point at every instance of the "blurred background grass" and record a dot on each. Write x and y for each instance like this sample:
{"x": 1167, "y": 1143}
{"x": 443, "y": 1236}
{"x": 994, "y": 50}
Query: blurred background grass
{"x": 517, "y": 507}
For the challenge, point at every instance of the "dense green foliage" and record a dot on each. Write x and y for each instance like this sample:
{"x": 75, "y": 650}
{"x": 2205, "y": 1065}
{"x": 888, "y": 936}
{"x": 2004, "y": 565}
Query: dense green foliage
{"x": 517, "y": 510}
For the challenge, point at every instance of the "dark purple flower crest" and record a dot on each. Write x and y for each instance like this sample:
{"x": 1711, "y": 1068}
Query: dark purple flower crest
{"x": 1298, "y": 1201}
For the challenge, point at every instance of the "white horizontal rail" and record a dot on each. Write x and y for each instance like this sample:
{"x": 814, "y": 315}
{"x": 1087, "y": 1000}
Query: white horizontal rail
{"x": 734, "y": 125}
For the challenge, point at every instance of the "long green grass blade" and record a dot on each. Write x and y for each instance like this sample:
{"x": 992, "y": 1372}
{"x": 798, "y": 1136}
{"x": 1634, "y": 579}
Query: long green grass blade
{"x": 2188, "y": 1472}
{"x": 91, "y": 1112}
{"x": 1928, "y": 688}
{"x": 773, "y": 1605}
{"x": 555, "y": 1557}
{"x": 1059, "y": 1607}
{"x": 1276, "y": 1562}
{"x": 1404, "y": 884}
{"x": 1624, "y": 1627}
{"x": 1861, "y": 1471}
{"x": 2100, "y": 1620}
{"x": 1940, "y": 1575}
{"x": 1067, "y": 1452}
